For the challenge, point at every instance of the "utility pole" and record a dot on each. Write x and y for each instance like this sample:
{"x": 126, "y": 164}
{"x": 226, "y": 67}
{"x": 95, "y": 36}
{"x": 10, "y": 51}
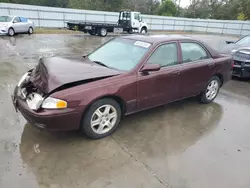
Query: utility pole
{"x": 178, "y": 10}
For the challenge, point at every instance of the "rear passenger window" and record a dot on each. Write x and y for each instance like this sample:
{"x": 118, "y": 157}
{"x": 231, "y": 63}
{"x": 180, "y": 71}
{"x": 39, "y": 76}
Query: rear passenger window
{"x": 165, "y": 55}
{"x": 192, "y": 52}
{"x": 23, "y": 19}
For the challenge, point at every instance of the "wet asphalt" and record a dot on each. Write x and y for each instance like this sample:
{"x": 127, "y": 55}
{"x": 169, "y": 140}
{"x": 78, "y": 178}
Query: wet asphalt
{"x": 180, "y": 145}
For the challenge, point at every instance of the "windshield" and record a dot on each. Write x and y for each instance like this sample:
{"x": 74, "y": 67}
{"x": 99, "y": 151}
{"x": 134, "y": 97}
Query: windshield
{"x": 121, "y": 54}
{"x": 244, "y": 41}
{"x": 5, "y": 18}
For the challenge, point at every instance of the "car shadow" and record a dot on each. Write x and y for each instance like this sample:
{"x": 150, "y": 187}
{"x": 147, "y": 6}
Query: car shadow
{"x": 172, "y": 128}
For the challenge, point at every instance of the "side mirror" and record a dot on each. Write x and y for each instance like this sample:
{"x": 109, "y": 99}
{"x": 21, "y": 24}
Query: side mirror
{"x": 229, "y": 42}
{"x": 151, "y": 67}
{"x": 14, "y": 21}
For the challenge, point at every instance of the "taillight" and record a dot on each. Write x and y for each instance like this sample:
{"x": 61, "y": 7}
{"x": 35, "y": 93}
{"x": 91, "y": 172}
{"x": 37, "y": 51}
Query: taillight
{"x": 232, "y": 63}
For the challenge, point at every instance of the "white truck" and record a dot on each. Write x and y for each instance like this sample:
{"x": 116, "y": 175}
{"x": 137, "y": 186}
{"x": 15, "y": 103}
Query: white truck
{"x": 128, "y": 21}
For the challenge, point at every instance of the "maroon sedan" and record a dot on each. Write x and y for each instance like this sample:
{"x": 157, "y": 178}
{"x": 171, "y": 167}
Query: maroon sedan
{"x": 126, "y": 75}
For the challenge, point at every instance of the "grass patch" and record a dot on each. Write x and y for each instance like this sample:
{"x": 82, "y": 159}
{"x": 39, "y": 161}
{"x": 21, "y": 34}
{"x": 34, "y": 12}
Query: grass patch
{"x": 54, "y": 31}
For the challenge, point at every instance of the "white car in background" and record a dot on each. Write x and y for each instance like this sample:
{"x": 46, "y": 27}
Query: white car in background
{"x": 11, "y": 25}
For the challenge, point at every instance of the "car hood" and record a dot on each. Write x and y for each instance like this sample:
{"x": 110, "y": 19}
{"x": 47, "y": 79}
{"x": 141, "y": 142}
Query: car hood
{"x": 4, "y": 24}
{"x": 52, "y": 73}
{"x": 242, "y": 54}
{"x": 228, "y": 48}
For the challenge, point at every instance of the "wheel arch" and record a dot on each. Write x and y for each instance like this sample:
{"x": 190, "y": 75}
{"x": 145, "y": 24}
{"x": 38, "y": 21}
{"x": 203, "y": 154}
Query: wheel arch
{"x": 11, "y": 28}
{"x": 118, "y": 99}
{"x": 144, "y": 27}
{"x": 221, "y": 78}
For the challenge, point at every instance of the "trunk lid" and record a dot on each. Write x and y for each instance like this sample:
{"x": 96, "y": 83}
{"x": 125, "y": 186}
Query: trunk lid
{"x": 52, "y": 73}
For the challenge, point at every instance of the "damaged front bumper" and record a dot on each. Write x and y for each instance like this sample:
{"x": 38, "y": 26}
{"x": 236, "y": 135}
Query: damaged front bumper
{"x": 51, "y": 120}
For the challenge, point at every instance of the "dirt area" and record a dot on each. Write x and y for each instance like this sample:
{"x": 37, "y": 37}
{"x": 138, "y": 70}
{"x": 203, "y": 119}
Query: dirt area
{"x": 181, "y": 145}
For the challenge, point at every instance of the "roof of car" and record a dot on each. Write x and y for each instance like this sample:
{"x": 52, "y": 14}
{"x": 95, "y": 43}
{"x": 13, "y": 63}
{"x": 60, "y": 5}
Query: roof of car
{"x": 156, "y": 38}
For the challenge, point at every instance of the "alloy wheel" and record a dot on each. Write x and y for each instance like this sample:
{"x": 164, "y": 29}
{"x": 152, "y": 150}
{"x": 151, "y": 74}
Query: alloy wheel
{"x": 104, "y": 119}
{"x": 212, "y": 89}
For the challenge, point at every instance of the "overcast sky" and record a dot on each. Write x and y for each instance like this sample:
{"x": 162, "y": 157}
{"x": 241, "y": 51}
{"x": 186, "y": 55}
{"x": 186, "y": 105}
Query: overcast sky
{"x": 185, "y": 3}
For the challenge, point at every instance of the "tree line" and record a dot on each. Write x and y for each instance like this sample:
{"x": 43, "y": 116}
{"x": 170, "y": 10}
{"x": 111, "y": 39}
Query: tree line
{"x": 205, "y": 9}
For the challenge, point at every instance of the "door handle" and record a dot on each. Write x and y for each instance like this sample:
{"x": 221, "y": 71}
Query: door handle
{"x": 177, "y": 72}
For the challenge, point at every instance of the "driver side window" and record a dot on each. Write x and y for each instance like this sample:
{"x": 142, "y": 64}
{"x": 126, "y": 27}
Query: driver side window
{"x": 17, "y": 19}
{"x": 165, "y": 55}
{"x": 136, "y": 16}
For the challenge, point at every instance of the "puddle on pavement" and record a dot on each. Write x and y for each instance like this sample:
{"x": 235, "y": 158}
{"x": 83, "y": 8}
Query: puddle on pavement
{"x": 178, "y": 125}
{"x": 157, "y": 137}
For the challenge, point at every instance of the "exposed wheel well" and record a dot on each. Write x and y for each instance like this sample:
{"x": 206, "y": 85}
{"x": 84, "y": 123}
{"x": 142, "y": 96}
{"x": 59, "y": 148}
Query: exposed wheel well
{"x": 221, "y": 79}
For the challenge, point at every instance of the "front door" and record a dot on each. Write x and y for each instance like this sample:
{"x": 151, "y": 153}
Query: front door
{"x": 17, "y": 25}
{"x": 160, "y": 87}
{"x": 136, "y": 21}
{"x": 197, "y": 69}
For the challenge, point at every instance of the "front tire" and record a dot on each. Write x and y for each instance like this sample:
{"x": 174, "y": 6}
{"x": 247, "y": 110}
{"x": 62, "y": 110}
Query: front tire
{"x": 11, "y": 32}
{"x": 211, "y": 91}
{"x": 101, "y": 119}
{"x": 143, "y": 30}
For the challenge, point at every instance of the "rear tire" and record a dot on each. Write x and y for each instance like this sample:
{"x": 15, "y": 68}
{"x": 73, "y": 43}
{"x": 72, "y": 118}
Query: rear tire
{"x": 30, "y": 31}
{"x": 101, "y": 119}
{"x": 211, "y": 90}
{"x": 130, "y": 31}
{"x": 102, "y": 32}
{"x": 11, "y": 32}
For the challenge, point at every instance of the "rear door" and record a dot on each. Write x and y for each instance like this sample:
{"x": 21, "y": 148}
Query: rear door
{"x": 160, "y": 87}
{"x": 24, "y": 24}
{"x": 197, "y": 68}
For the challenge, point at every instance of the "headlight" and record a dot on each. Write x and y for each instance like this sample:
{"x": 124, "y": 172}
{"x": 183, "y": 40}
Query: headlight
{"x": 52, "y": 103}
{"x": 233, "y": 51}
